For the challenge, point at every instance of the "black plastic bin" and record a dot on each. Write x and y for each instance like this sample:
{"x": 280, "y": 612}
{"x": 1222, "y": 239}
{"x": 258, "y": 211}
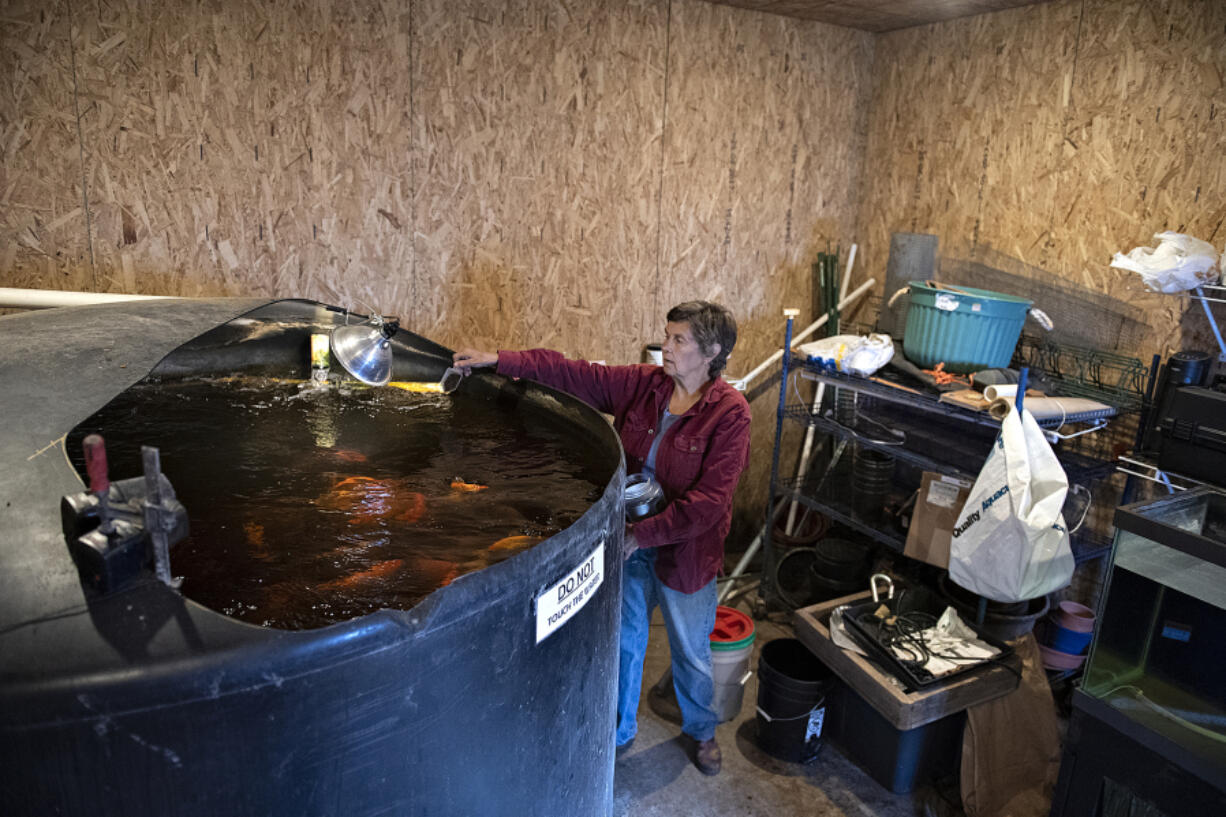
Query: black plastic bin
{"x": 896, "y": 758}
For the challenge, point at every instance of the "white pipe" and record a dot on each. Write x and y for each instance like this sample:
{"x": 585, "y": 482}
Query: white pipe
{"x": 13, "y": 298}
{"x": 802, "y": 467}
{"x": 851, "y": 298}
{"x": 851, "y": 260}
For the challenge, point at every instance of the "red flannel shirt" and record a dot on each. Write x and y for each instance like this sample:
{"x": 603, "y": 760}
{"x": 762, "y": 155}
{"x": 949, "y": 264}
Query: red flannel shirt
{"x": 698, "y": 463}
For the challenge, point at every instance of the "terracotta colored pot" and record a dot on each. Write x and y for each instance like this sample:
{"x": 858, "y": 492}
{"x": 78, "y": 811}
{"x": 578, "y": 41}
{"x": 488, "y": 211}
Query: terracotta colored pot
{"x": 1054, "y": 659}
{"x": 1076, "y": 617}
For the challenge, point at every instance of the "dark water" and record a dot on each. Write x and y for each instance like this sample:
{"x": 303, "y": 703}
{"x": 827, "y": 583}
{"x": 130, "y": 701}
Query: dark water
{"x": 312, "y": 506}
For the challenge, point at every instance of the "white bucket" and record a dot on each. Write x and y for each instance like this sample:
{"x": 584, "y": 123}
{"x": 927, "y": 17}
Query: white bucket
{"x": 730, "y": 670}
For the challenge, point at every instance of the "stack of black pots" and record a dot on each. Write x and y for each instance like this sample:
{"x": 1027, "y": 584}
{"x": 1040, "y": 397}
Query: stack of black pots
{"x": 840, "y": 567}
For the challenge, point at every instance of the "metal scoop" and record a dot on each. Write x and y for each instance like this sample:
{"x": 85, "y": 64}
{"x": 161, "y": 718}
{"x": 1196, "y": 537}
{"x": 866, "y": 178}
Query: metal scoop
{"x": 451, "y": 380}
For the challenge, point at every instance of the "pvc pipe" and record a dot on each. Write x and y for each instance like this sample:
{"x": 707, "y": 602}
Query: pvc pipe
{"x": 15, "y": 298}
{"x": 1217, "y": 333}
{"x": 750, "y": 552}
{"x": 851, "y": 298}
{"x": 851, "y": 260}
{"x": 802, "y": 467}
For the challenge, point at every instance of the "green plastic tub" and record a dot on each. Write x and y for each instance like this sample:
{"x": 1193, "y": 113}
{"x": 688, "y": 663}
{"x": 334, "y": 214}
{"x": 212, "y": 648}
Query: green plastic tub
{"x": 965, "y": 328}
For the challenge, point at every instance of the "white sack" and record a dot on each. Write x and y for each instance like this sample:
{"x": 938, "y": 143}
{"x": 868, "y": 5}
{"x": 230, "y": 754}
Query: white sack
{"x": 1010, "y": 543}
{"x": 852, "y": 354}
{"x": 1179, "y": 263}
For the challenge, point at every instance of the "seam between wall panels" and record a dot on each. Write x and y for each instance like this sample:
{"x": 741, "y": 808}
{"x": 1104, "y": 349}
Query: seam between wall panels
{"x": 413, "y": 160}
{"x": 76, "y": 110}
{"x": 1068, "y": 117}
{"x": 668, "y": 39}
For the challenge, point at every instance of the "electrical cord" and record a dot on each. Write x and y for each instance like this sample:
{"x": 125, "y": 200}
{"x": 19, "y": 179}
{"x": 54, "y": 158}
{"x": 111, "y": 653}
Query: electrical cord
{"x": 902, "y": 636}
{"x": 1082, "y": 490}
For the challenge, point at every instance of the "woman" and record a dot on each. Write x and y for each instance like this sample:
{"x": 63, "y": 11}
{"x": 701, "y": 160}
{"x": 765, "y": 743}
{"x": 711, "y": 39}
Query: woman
{"x": 683, "y": 424}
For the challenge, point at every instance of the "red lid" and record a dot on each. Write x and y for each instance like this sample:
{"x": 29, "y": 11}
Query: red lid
{"x": 731, "y": 625}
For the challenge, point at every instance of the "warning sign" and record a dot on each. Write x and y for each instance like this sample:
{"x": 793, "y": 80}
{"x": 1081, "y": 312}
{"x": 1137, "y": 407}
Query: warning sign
{"x": 556, "y": 605}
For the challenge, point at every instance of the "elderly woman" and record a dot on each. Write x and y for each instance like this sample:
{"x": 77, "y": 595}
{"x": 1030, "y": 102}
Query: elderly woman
{"x": 682, "y": 424}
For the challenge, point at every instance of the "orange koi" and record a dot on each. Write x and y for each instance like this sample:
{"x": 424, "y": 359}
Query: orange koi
{"x": 379, "y": 571}
{"x": 410, "y": 507}
{"x": 368, "y": 500}
{"x": 514, "y": 543}
{"x": 458, "y": 484}
{"x": 349, "y": 456}
{"x": 508, "y": 546}
{"x": 255, "y": 534}
{"x": 441, "y": 571}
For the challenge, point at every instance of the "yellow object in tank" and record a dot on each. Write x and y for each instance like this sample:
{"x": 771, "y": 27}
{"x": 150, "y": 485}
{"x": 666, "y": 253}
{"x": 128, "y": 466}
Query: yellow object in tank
{"x": 417, "y": 386}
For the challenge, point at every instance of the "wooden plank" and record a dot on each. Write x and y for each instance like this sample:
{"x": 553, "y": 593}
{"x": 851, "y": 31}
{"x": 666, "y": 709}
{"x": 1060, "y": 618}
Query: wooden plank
{"x": 904, "y": 710}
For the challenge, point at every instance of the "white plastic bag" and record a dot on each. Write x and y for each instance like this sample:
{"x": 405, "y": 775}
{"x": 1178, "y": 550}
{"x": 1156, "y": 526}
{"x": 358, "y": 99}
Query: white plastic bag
{"x": 1010, "y": 542}
{"x": 853, "y": 354}
{"x": 1179, "y": 263}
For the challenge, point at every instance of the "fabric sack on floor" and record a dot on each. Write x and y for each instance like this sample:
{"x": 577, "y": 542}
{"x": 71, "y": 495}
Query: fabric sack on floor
{"x": 1011, "y": 747}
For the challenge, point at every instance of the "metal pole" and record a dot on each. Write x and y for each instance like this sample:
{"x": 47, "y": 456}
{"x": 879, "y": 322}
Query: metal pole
{"x": 766, "y": 589}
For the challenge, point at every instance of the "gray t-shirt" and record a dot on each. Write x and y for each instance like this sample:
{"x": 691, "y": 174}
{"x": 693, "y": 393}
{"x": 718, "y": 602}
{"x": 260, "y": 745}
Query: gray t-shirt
{"x": 666, "y": 420}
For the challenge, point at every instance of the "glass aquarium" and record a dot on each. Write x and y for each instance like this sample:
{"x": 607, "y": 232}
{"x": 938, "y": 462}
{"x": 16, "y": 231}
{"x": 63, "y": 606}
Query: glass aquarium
{"x": 1159, "y": 655}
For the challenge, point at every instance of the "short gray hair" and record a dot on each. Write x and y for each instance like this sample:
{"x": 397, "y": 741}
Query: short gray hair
{"x": 710, "y": 324}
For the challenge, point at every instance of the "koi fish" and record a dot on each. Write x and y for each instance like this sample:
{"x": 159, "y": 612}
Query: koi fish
{"x": 412, "y": 508}
{"x": 508, "y": 546}
{"x": 515, "y": 542}
{"x": 441, "y": 571}
{"x": 349, "y": 456}
{"x": 367, "y": 500}
{"x": 460, "y": 486}
{"x": 379, "y": 571}
{"x": 255, "y": 534}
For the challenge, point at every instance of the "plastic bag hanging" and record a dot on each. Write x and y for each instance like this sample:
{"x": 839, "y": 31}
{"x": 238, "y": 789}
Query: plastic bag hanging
{"x": 1179, "y": 263}
{"x": 1010, "y": 542}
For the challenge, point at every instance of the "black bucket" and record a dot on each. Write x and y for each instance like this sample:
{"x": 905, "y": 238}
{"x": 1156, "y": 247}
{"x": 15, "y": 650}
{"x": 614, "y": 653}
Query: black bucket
{"x": 840, "y": 560}
{"x": 872, "y": 475}
{"x": 792, "y": 688}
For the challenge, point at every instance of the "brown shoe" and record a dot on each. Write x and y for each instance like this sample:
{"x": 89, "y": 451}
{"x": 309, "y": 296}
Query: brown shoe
{"x": 707, "y": 757}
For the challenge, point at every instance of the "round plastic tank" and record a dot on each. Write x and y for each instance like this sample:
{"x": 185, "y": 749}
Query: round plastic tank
{"x": 481, "y": 699}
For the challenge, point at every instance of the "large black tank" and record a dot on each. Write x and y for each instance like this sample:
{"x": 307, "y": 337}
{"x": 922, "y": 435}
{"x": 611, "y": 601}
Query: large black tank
{"x": 144, "y": 702}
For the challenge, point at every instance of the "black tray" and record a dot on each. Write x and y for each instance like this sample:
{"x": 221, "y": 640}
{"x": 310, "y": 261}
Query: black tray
{"x": 863, "y": 630}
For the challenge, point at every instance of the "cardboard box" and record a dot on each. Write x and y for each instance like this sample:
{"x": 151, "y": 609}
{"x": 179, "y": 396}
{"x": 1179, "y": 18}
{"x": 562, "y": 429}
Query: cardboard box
{"x": 937, "y": 509}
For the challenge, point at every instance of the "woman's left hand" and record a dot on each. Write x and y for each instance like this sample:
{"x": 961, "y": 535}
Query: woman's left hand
{"x": 468, "y": 359}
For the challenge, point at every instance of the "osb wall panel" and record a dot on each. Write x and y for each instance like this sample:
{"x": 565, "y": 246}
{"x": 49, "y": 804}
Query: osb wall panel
{"x": 1056, "y": 134}
{"x": 43, "y": 237}
{"x": 249, "y": 147}
{"x": 537, "y": 129}
{"x": 763, "y": 164}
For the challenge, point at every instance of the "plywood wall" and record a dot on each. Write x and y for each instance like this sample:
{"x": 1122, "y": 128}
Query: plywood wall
{"x": 762, "y": 167}
{"x": 528, "y": 172}
{"x": 537, "y": 128}
{"x": 1057, "y": 135}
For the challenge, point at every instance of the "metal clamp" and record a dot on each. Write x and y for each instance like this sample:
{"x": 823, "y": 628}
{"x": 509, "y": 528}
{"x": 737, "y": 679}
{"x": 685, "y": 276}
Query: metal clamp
{"x": 872, "y": 583}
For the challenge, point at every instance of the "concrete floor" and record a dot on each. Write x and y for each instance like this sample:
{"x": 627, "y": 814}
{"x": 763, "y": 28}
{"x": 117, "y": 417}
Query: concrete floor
{"x": 657, "y": 777}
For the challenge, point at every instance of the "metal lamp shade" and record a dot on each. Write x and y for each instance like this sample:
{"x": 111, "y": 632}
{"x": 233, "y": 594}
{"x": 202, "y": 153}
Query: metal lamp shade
{"x": 364, "y": 352}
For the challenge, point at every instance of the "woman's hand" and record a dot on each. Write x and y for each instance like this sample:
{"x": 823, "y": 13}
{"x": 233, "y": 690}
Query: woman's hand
{"x": 468, "y": 359}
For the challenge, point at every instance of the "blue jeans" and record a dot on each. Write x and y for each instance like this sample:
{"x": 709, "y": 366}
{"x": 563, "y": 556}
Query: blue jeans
{"x": 689, "y": 618}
